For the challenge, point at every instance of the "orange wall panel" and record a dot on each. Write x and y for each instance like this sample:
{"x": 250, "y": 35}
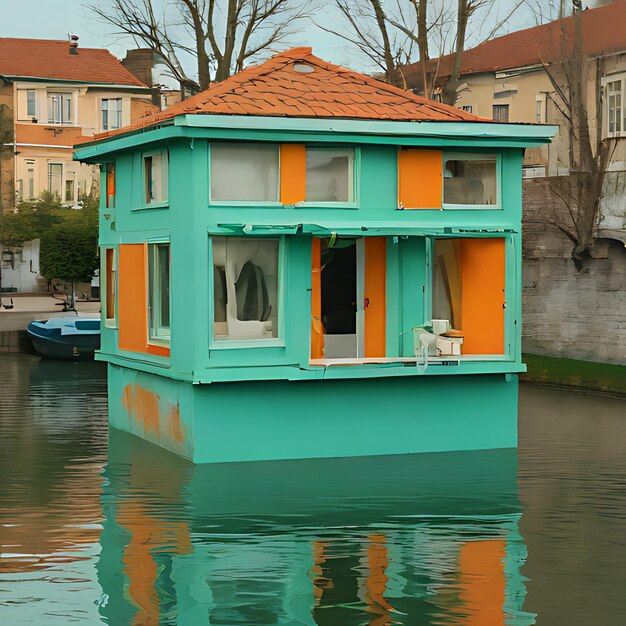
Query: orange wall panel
{"x": 292, "y": 173}
{"x": 482, "y": 278}
{"x": 419, "y": 178}
{"x": 375, "y": 296}
{"x": 132, "y": 297}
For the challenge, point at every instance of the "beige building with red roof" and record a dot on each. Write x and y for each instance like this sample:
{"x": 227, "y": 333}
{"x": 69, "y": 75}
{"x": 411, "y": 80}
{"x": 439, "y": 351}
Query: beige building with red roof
{"x": 57, "y": 95}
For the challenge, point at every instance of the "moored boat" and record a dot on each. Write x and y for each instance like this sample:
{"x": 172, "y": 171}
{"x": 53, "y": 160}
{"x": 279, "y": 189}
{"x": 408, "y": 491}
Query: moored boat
{"x": 67, "y": 338}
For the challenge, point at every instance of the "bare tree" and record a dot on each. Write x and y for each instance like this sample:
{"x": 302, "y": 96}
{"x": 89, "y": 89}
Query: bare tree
{"x": 581, "y": 191}
{"x": 221, "y": 35}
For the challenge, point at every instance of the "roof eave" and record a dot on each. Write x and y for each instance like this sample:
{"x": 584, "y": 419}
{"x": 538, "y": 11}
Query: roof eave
{"x": 265, "y": 128}
{"x": 43, "y": 79}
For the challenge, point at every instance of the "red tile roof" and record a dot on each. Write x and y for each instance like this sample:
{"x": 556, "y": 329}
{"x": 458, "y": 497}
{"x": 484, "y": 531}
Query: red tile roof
{"x": 604, "y": 31}
{"x": 46, "y": 58}
{"x": 278, "y": 88}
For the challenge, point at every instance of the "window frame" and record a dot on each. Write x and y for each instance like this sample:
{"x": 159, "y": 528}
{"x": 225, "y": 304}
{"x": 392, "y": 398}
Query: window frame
{"x": 120, "y": 112}
{"x": 64, "y": 95}
{"x": 472, "y": 156}
{"x": 29, "y": 93}
{"x": 156, "y": 335}
{"x": 468, "y": 108}
{"x": 605, "y": 82}
{"x": 356, "y": 180}
{"x": 165, "y": 162}
{"x": 109, "y": 322}
{"x": 503, "y": 107}
{"x": 273, "y": 342}
{"x": 62, "y": 178}
{"x": 245, "y": 203}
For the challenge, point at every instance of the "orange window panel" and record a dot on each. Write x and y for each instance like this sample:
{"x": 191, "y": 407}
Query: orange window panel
{"x": 157, "y": 350}
{"x": 375, "y": 296}
{"x": 317, "y": 328}
{"x": 132, "y": 297}
{"x": 292, "y": 173}
{"x": 110, "y": 283}
{"x": 482, "y": 308}
{"x": 419, "y": 178}
{"x": 483, "y": 584}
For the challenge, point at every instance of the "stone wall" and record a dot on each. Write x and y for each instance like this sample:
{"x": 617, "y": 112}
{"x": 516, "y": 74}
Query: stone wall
{"x": 579, "y": 315}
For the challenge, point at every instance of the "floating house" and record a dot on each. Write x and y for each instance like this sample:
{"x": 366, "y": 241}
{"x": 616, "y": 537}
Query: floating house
{"x": 305, "y": 262}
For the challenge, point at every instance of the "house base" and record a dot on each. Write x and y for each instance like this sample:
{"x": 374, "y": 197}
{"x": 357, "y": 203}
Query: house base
{"x": 272, "y": 420}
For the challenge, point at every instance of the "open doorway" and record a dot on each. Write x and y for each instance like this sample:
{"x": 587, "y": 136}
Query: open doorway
{"x": 339, "y": 297}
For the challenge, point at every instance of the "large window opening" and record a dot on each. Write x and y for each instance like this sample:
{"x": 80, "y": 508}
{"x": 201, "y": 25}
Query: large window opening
{"x": 60, "y": 108}
{"x": 159, "y": 290}
{"x": 339, "y": 298}
{"x": 245, "y": 288}
{"x": 470, "y": 180}
{"x": 329, "y": 174}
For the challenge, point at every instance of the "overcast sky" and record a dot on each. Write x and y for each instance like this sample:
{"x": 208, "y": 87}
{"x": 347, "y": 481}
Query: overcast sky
{"x": 53, "y": 19}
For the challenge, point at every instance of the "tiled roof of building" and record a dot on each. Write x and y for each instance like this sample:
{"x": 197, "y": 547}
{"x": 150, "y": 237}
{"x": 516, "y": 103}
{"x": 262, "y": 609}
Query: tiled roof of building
{"x": 295, "y": 83}
{"x": 604, "y": 31}
{"x": 51, "y": 59}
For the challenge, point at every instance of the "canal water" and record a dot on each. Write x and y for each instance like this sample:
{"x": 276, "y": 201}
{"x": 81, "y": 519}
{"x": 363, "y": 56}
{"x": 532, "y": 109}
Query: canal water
{"x": 127, "y": 534}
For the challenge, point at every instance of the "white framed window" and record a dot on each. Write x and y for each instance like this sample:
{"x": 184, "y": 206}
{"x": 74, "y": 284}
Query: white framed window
{"x": 109, "y": 271}
{"x": 159, "y": 291}
{"x": 614, "y": 109}
{"x": 70, "y": 186}
{"x": 30, "y": 180}
{"x": 468, "y": 108}
{"x": 330, "y": 174}
{"x": 55, "y": 179}
{"x": 31, "y": 103}
{"x": 244, "y": 172}
{"x": 60, "y": 109}
{"x": 500, "y": 112}
{"x": 110, "y": 113}
{"x": 155, "y": 176}
{"x": 246, "y": 288}
{"x": 471, "y": 181}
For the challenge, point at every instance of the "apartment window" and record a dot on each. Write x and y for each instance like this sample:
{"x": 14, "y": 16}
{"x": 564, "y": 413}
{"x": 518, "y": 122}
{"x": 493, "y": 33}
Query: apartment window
{"x": 470, "y": 180}
{"x": 501, "y": 112}
{"x": 55, "y": 179}
{"x": 110, "y": 277}
{"x": 30, "y": 180}
{"x": 70, "y": 185}
{"x": 159, "y": 290}
{"x": 59, "y": 108}
{"x": 329, "y": 174}
{"x": 245, "y": 288}
{"x": 155, "y": 167}
{"x": 244, "y": 172}
{"x": 110, "y": 186}
{"x": 468, "y": 108}
{"x": 614, "y": 96}
{"x": 31, "y": 110}
{"x": 111, "y": 112}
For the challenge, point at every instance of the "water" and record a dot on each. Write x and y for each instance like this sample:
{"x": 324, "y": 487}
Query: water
{"x": 137, "y": 536}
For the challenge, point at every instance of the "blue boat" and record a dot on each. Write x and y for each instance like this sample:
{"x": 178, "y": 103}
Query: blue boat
{"x": 66, "y": 338}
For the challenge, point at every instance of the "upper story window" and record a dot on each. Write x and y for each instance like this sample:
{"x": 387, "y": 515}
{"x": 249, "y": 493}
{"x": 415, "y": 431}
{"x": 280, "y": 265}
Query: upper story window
{"x": 470, "y": 180}
{"x": 111, "y": 113}
{"x": 159, "y": 290}
{"x": 244, "y": 172}
{"x": 615, "y": 112}
{"x": 155, "y": 171}
{"x": 468, "y": 108}
{"x": 329, "y": 174}
{"x": 500, "y": 112}
{"x": 31, "y": 103}
{"x": 60, "y": 108}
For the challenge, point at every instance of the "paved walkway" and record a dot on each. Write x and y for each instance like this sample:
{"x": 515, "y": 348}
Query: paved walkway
{"x": 28, "y": 308}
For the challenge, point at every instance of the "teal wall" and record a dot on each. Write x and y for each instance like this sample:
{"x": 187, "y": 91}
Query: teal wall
{"x": 188, "y": 219}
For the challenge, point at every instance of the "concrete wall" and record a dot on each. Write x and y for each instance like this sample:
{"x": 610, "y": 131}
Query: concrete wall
{"x": 579, "y": 315}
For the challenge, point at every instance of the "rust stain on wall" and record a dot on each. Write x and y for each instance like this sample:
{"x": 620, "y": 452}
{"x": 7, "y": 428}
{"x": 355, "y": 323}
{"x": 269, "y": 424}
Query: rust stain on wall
{"x": 143, "y": 405}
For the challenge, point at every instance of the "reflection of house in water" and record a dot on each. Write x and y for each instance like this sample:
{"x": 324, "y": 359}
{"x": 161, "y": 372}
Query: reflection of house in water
{"x": 429, "y": 539}
{"x": 268, "y": 250}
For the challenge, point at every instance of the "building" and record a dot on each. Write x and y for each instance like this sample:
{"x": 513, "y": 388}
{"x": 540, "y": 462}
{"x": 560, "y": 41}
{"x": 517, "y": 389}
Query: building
{"x": 269, "y": 247}
{"x": 506, "y": 79}
{"x": 57, "y": 95}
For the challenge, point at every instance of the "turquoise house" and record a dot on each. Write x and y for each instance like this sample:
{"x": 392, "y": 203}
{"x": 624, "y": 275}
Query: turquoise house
{"x": 304, "y": 262}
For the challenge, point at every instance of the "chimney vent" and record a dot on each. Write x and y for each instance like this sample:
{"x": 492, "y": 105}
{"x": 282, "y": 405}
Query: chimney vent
{"x": 73, "y": 40}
